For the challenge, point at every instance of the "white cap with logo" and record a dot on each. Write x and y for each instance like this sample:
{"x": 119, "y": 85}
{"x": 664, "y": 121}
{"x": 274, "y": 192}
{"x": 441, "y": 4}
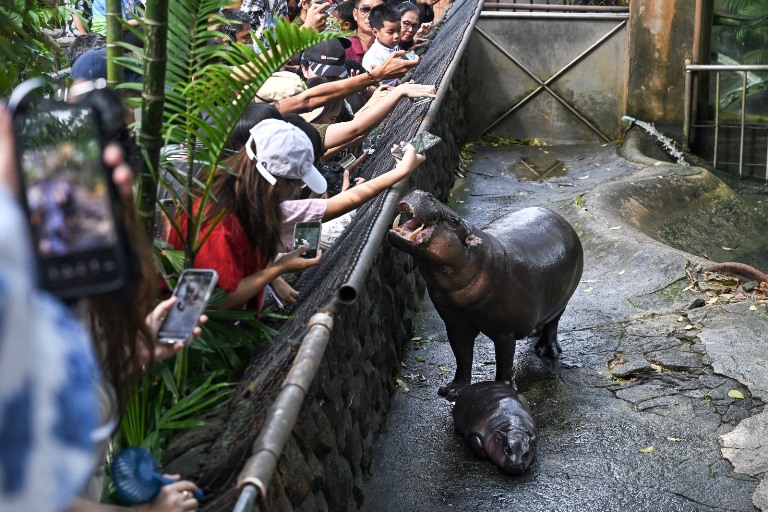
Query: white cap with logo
{"x": 281, "y": 149}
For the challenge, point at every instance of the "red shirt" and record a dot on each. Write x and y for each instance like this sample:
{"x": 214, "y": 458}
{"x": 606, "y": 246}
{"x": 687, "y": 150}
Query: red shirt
{"x": 355, "y": 51}
{"x": 226, "y": 250}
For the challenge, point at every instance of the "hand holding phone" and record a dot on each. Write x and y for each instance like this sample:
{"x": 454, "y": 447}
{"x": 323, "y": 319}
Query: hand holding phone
{"x": 421, "y": 142}
{"x": 307, "y": 233}
{"x": 193, "y": 290}
{"x": 68, "y": 191}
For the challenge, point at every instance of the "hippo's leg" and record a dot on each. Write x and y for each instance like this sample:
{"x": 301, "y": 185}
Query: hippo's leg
{"x": 548, "y": 346}
{"x": 505, "y": 358}
{"x": 461, "y": 336}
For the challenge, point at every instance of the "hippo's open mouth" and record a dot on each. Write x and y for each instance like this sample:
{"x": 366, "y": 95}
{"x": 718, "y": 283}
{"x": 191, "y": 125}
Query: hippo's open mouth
{"x": 408, "y": 227}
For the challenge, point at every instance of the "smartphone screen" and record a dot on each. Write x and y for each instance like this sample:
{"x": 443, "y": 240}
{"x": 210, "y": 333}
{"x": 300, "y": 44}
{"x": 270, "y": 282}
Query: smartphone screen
{"x": 193, "y": 290}
{"x": 307, "y": 233}
{"x": 67, "y": 191}
{"x": 421, "y": 142}
{"x": 347, "y": 161}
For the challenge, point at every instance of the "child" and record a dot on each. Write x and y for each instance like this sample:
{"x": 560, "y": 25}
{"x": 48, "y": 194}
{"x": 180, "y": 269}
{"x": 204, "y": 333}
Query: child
{"x": 385, "y": 25}
{"x": 344, "y": 13}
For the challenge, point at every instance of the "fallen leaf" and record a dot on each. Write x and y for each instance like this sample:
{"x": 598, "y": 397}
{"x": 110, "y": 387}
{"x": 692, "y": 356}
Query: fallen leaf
{"x": 726, "y": 248}
{"x": 735, "y": 393}
{"x": 402, "y": 385}
{"x": 674, "y": 439}
{"x": 647, "y": 449}
{"x": 622, "y": 272}
{"x": 583, "y": 177}
{"x": 615, "y": 227}
{"x": 688, "y": 327}
{"x": 712, "y": 300}
{"x": 681, "y": 319}
{"x": 444, "y": 369}
{"x": 416, "y": 338}
{"x": 420, "y": 359}
{"x": 588, "y": 290}
{"x": 753, "y": 308}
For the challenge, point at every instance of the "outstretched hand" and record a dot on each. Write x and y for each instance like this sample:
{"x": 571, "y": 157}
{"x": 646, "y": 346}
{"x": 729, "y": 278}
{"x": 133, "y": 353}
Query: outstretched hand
{"x": 293, "y": 262}
{"x": 154, "y": 321}
{"x": 316, "y": 16}
{"x": 394, "y": 66}
{"x": 175, "y": 497}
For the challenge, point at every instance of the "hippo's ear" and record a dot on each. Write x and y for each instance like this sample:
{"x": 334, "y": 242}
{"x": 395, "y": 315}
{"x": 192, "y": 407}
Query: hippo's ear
{"x": 472, "y": 240}
{"x": 474, "y": 442}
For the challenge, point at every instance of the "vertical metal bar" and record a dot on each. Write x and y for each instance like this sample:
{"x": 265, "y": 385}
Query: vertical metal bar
{"x": 687, "y": 107}
{"x": 743, "y": 118}
{"x": 717, "y": 116}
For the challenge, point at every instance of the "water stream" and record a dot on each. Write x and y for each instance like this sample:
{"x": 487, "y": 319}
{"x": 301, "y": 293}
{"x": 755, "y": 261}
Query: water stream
{"x": 667, "y": 144}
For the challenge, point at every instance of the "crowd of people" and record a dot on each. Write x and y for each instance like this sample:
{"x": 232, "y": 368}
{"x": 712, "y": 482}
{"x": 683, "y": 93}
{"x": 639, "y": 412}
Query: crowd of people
{"x": 293, "y": 158}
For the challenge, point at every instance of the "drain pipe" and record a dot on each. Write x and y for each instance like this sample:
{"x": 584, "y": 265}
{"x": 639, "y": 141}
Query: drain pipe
{"x": 259, "y": 469}
{"x": 348, "y": 291}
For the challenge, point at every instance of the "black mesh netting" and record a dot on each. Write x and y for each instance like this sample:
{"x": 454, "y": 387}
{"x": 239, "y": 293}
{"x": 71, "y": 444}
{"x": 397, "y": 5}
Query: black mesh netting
{"x": 339, "y": 260}
{"x": 318, "y": 285}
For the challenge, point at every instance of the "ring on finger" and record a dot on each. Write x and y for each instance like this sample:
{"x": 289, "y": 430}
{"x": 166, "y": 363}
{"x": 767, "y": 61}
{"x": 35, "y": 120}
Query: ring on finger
{"x": 186, "y": 494}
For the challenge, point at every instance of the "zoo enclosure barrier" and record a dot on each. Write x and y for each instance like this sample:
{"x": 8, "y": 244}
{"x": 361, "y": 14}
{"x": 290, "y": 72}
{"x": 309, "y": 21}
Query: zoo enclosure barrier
{"x": 690, "y": 118}
{"x": 335, "y": 290}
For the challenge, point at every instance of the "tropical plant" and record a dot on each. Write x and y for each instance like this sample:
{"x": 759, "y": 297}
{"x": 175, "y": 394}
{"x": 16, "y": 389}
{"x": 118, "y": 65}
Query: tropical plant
{"x": 740, "y": 36}
{"x": 191, "y": 99}
{"x": 25, "y": 50}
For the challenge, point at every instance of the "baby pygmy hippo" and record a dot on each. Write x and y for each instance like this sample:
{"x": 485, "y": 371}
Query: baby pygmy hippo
{"x": 496, "y": 422}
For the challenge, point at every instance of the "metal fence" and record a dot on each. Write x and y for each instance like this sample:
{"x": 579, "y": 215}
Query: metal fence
{"x": 715, "y": 134}
{"x": 557, "y": 5}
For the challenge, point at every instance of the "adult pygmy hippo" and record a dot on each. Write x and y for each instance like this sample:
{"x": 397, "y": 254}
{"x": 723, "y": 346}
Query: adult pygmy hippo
{"x": 507, "y": 281}
{"x": 496, "y": 422}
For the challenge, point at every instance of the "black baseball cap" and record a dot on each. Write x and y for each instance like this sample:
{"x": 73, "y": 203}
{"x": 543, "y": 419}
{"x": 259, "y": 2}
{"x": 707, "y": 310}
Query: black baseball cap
{"x": 327, "y": 58}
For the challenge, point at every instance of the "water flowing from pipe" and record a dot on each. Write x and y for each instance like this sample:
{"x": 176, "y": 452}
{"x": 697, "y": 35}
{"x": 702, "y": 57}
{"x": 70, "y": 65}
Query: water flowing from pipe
{"x": 667, "y": 144}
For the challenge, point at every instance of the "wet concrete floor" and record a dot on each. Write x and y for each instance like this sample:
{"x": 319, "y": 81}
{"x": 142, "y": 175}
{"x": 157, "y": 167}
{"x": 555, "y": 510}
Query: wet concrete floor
{"x": 630, "y": 417}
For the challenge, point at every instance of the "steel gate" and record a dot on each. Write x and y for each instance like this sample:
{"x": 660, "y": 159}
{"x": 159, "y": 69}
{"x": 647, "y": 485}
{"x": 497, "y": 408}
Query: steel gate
{"x": 557, "y": 73}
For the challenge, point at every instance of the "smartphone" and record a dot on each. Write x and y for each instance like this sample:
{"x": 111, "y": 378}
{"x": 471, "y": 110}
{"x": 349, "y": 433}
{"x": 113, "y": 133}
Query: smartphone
{"x": 410, "y": 55}
{"x": 307, "y": 233}
{"x": 347, "y": 161}
{"x": 68, "y": 194}
{"x": 193, "y": 290}
{"x": 421, "y": 142}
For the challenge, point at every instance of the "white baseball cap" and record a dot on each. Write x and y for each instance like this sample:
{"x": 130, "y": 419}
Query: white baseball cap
{"x": 281, "y": 149}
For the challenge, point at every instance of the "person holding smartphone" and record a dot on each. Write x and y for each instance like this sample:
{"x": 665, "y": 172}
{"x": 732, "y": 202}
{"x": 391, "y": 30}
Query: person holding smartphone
{"x": 61, "y": 412}
{"x": 257, "y": 193}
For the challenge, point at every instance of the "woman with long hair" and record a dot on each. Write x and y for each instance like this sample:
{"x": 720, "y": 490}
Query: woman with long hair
{"x": 254, "y": 206}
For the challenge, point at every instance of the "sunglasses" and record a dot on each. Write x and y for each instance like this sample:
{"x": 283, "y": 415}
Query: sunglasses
{"x": 365, "y": 10}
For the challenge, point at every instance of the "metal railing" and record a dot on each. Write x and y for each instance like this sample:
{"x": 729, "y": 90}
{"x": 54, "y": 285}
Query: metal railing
{"x": 258, "y": 471}
{"x": 583, "y": 7}
{"x": 717, "y": 69}
{"x": 562, "y": 4}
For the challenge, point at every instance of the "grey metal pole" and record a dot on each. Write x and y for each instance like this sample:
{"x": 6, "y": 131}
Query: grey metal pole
{"x": 687, "y": 107}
